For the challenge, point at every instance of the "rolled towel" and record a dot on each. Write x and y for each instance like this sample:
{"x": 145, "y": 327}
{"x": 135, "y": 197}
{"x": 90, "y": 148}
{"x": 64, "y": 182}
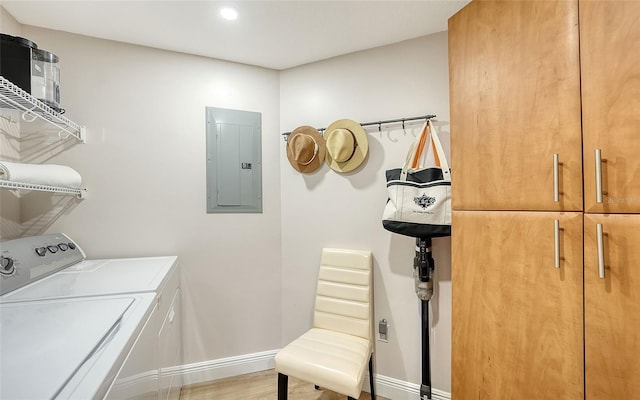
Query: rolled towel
{"x": 40, "y": 174}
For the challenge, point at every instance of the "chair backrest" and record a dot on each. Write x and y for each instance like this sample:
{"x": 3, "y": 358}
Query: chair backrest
{"x": 344, "y": 296}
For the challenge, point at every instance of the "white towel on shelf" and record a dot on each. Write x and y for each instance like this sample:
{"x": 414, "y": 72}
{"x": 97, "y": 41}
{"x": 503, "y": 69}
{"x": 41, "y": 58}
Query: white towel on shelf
{"x": 40, "y": 174}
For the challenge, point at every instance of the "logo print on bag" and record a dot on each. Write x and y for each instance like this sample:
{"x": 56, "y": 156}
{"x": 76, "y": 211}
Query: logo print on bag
{"x": 424, "y": 201}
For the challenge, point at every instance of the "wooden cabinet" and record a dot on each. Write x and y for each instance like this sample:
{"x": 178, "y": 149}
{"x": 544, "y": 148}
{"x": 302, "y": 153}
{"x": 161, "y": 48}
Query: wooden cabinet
{"x": 520, "y": 71}
{"x": 519, "y": 74}
{"x": 612, "y": 307}
{"x": 515, "y": 102}
{"x": 517, "y": 329}
{"x": 610, "y": 62}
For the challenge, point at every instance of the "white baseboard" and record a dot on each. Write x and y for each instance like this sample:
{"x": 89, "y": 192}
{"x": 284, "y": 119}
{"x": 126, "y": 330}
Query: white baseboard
{"x": 396, "y": 389}
{"x": 225, "y": 367}
{"x": 205, "y": 371}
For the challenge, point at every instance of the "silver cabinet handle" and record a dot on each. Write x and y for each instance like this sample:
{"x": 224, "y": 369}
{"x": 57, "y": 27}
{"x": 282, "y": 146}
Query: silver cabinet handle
{"x": 556, "y": 178}
{"x": 556, "y": 237}
{"x": 598, "y": 154}
{"x": 600, "y": 238}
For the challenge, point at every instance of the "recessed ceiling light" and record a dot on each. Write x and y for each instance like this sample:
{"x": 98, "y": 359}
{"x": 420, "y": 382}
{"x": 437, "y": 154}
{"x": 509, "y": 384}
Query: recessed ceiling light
{"x": 229, "y": 13}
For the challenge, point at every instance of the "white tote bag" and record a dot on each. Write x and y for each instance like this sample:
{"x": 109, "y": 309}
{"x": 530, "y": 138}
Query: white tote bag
{"x": 419, "y": 203}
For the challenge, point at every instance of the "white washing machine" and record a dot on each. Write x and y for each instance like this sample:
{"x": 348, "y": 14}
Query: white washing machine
{"x": 72, "y": 328}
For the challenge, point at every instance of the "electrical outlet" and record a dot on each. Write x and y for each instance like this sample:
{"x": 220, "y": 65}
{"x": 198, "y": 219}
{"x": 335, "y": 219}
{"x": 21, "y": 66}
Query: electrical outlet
{"x": 383, "y": 330}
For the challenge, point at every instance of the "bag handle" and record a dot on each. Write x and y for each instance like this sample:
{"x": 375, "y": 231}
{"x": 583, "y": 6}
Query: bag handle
{"x": 412, "y": 152}
{"x": 439, "y": 152}
{"x": 415, "y": 152}
{"x": 423, "y": 140}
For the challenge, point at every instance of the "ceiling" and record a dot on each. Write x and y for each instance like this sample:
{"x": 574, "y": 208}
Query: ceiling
{"x": 271, "y": 34}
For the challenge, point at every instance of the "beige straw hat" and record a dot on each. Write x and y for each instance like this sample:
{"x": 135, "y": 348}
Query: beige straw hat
{"x": 347, "y": 145}
{"x": 305, "y": 149}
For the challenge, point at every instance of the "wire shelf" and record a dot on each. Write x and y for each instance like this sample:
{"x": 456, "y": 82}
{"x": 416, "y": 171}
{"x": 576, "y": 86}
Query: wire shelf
{"x": 80, "y": 192}
{"x": 33, "y": 109}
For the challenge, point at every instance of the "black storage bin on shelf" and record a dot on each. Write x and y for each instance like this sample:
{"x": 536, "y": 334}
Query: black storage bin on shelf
{"x": 15, "y": 60}
{"x": 33, "y": 70}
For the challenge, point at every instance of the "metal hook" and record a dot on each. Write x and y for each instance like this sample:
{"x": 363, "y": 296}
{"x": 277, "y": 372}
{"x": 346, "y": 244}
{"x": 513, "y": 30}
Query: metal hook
{"x": 62, "y": 135}
{"x": 389, "y": 137}
{"x": 34, "y": 116}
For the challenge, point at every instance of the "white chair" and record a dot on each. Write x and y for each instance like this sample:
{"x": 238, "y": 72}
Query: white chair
{"x": 334, "y": 353}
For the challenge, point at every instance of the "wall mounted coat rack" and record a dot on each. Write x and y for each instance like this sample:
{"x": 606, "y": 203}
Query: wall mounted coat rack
{"x": 378, "y": 123}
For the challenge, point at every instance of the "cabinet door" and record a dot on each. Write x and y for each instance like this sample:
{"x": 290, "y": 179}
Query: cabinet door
{"x": 612, "y": 308}
{"x": 517, "y": 331}
{"x": 610, "y": 61}
{"x": 515, "y": 102}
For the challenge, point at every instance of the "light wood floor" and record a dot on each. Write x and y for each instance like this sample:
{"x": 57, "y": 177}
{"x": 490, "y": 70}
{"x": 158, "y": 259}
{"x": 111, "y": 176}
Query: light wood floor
{"x": 261, "y": 385}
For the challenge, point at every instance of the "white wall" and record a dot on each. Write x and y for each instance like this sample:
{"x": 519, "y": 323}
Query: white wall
{"x": 144, "y": 167}
{"x": 327, "y": 209}
{"x": 8, "y": 24}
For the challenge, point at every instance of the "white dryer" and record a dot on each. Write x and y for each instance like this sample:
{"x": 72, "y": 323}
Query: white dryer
{"x": 87, "y": 328}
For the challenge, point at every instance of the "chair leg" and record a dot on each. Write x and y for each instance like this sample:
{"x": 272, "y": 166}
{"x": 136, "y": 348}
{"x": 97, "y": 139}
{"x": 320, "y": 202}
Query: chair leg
{"x": 373, "y": 392}
{"x": 283, "y": 383}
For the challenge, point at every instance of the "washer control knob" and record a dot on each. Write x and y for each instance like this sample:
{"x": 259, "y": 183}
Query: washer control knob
{"x": 6, "y": 266}
{"x": 53, "y": 249}
{"x": 63, "y": 246}
{"x": 41, "y": 251}
{"x": 72, "y": 246}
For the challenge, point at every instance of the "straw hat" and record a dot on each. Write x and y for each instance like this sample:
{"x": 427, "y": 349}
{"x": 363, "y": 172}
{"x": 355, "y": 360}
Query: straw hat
{"x": 347, "y": 145}
{"x": 305, "y": 149}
